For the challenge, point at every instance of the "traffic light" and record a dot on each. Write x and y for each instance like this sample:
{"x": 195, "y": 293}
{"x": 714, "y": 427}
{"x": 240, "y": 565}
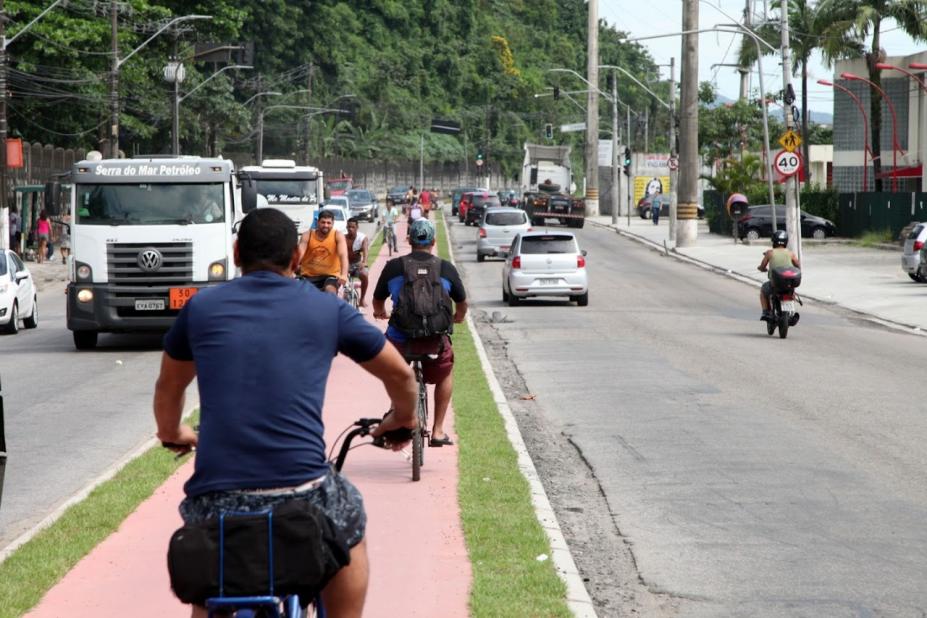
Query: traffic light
{"x": 549, "y": 131}
{"x": 556, "y": 92}
{"x": 627, "y": 161}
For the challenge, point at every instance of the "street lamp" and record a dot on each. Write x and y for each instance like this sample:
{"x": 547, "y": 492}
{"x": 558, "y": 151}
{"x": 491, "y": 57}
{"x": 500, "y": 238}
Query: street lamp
{"x": 891, "y": 107}
{"x": 118, "y": 62}
{"x": 174, "y": 72}
{"x": 268, "y": 93}
{"x": 859, "y": 106}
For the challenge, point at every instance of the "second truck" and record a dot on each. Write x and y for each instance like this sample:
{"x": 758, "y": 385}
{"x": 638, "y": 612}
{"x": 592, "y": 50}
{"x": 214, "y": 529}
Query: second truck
{"x": 546, "y": 178}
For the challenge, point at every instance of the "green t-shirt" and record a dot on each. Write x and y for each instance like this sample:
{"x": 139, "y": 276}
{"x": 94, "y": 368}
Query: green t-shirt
{"x": 779, "y": 258}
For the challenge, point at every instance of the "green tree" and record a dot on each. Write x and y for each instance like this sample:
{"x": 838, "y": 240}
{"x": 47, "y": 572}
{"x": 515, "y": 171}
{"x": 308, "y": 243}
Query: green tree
{"x": 849, "y": 24}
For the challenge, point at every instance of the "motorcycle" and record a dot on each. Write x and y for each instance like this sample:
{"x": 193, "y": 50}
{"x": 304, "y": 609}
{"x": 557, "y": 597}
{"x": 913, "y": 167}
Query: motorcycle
{"x": 782, "y": 301}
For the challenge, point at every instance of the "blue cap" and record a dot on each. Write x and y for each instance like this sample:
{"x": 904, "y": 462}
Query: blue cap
{"x": 422, "y": 232}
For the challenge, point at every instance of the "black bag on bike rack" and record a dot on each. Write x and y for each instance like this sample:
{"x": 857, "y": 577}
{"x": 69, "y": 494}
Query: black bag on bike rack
{"x": 295, "y": 543}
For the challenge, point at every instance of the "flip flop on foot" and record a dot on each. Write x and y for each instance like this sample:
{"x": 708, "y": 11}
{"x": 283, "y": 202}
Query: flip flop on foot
{"x": 445, "y": 441}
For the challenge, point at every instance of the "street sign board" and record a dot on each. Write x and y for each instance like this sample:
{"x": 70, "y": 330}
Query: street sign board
{"x": 790, "y": 140}
{"x": 573, "y": 128}
{"x": 787, "y": 163}
{"x": 479, "y": 163}
{"x": 673, "y": 163}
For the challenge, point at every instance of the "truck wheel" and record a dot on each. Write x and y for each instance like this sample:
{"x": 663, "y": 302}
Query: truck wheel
{"x": 580, "y": 223}
{"x": 85, "y": 339}
{"x": 537, "y": 222}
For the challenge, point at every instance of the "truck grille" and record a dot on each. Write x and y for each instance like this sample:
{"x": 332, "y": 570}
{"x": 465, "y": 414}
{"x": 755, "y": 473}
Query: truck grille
{"x": 176, "y": 264}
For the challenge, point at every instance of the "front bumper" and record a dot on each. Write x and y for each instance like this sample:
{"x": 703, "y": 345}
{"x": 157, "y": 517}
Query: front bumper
{"x": 113, "y": 308}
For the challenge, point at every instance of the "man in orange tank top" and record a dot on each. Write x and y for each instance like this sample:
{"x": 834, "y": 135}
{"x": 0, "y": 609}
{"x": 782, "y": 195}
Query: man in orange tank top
{"x": 323, "y": 255}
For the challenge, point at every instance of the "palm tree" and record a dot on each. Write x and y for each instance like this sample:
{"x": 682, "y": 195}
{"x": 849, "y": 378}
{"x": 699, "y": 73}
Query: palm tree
{"x": 849, "y": 24}
{"x": 805, "y": 29}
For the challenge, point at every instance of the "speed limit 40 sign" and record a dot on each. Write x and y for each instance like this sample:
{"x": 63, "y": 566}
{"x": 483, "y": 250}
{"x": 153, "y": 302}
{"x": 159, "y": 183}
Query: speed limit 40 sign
{"x": 787, "y": 163}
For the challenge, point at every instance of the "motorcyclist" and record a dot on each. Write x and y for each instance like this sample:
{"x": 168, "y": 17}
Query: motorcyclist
{"x": 777, "y": 257}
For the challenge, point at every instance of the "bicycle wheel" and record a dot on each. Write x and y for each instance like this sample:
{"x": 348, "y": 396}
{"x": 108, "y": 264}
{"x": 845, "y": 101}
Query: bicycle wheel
{"x": 418, "y": 436}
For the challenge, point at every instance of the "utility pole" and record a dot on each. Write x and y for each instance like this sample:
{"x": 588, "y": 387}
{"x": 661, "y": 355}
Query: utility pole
{"x": 745, "y": 73}
{"x": 175, "y": 102}
{"x": 791, "y": 183}
{"x": 4, "y": 222}
{"x": 616, "y": 175}
{"x": 687, "y": 209}
{"x": 114, "y": 83}
{"x": 674, "y": 161}
{"x": 309, "y": 116}
{"x": 592, "y": 110}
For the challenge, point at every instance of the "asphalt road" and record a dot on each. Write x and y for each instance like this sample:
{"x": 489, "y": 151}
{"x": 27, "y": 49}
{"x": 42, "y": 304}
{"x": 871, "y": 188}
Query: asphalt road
{"x": 701, "y": 468}
{"x": 69, "y": 416}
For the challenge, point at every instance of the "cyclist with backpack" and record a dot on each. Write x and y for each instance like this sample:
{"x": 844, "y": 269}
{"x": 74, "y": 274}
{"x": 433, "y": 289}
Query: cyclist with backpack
{"x": 428, "y": 299}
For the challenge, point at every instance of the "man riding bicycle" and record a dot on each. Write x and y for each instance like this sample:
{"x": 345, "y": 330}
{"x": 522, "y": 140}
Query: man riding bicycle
{"x": 261, "y": 362}
{"x": 357, "y": 243}
{"x": 323, "y": 255}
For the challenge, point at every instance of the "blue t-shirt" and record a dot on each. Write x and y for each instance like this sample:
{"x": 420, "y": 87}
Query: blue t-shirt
{"x": 263, "y": 346}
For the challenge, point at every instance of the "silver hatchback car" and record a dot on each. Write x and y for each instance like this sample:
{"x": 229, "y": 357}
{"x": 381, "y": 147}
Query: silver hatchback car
{"x": 912, "y": 261}
{"x": 545, "y": 264}
{"x": 498, "y": 228}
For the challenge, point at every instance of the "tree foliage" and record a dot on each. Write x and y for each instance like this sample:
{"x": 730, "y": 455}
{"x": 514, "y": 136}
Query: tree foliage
{"x": 405, "y": 61}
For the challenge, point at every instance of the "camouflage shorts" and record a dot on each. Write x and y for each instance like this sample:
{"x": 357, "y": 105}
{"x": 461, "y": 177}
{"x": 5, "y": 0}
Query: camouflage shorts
{"x": 335, "y": 496}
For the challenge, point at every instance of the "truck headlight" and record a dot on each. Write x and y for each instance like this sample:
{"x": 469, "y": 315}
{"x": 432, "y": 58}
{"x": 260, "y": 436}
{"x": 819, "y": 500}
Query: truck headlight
{"x": 84, "y": 296}
{"x": 84, "y": 272}
{"x": 217, "y": 271}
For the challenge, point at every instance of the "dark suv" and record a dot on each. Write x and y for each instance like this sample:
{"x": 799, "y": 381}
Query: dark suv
{"x": 757, "y": 222}
{"x": 478, "y": 205}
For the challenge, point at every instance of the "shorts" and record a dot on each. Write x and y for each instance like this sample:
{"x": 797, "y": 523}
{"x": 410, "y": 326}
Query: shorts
{"x": 335, "y": 496}
{"x": 42, "y": 237}
{"x": 767, "y": 289}
{"x": 321, "y": 282}
{"x": 357, "y": 269}
{"x": 434, "y": 370}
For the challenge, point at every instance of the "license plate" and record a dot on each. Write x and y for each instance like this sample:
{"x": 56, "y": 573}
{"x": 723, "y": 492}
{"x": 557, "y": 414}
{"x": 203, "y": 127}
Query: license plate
{"x": 149, "y": 304}
{"x": 788, "y": 306}
{"x": 180, "y": 296}
{"x": 504, "y": 248}
{"x": 550, "y": 281}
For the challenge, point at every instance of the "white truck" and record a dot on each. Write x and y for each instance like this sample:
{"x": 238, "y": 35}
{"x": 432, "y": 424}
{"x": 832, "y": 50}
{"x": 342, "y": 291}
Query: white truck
{"x": 546, "y": 183}
{"x": 146, "y": 235}
{"x": 297, "y": 190}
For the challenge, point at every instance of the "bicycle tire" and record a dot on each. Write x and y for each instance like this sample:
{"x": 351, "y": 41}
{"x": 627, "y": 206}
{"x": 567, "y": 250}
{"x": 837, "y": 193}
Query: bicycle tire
{"x": 418, "y": 436}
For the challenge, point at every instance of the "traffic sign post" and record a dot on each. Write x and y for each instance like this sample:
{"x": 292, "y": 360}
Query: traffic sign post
{"x": 790, "y": 140}
{"x": 673, "y": 163}
{"x": 787, "y": 163}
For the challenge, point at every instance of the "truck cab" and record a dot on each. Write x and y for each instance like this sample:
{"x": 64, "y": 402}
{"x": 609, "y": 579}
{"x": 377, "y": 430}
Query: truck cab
{"x": 294, "y": 189}
{"x": 146, "y": 235}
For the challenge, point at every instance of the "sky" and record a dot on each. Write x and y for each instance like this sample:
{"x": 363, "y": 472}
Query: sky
{"x": 665, "y": 16}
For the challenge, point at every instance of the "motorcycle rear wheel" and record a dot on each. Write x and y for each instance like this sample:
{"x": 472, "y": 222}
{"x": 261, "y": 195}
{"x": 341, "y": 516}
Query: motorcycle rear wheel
{"x": 771, "y": 325}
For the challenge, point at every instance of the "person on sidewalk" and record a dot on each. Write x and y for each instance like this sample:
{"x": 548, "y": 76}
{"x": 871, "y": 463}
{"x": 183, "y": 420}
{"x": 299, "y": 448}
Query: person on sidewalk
{"x": 15, "y": 230}
{"x": 323, "y": 255}
{"x": 392, "y": 217}
{"x": 777, "y": 257}
{"x": 395, "y": 282}
{"x": 357, "y": 243}
{"x": 42, "y": 235}
{"x": 261, "y": 362}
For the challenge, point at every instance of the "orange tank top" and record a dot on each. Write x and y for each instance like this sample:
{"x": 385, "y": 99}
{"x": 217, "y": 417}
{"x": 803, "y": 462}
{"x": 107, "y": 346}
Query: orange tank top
{"x": 321, "y": 257}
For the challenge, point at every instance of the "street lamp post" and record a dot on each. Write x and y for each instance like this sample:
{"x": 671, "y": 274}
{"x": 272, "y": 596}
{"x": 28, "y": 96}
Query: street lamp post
{"x": 891, "y": 107}
{"x": 4, "y": 43}
{"x": 117, "y": 64}
{"x": 859, "y": 106}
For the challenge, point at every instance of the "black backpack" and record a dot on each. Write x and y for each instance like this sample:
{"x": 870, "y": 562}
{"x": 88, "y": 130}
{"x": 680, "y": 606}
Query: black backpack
{"x": 424, "y": 307}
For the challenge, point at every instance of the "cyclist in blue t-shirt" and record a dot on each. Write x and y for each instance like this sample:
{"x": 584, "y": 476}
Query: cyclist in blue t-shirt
{"x": 261, "y": 361}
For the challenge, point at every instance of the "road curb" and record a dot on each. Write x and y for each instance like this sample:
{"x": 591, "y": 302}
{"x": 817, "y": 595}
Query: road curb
{"x": 909, "y": 329}
{"x": 578, "y": 598}
{"x": 109, "y": 473}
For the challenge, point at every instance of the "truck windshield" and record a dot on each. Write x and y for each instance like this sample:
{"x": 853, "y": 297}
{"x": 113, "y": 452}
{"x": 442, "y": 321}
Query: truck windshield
{"x": 288, "y": 191}
{"x": 150, "y": 204}
{"x": 339, "y": 185}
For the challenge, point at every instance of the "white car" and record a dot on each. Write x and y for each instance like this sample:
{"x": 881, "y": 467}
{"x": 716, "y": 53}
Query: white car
{"x": 912, "y": 258}
{"x": 341, "y": 216}
{"x": 500, "y": 225}
{"x": 18, "y": 302}
{"x": 545, "y": 264}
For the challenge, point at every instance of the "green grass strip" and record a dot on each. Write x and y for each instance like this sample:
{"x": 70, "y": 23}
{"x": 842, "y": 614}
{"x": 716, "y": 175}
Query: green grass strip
{"x": 27, "y": 574}
{"x": 375, "y": 245}
{"x": 503, "y": 535}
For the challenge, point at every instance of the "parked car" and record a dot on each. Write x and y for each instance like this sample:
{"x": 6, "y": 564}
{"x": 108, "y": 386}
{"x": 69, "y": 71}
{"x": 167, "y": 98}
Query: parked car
{"x": 912, "y": 260}
{"x": 364, "y": 204}
{"x": 341, "y": 216}
{"x": 18, "y": 298}
{"x": 498, "y": 228}
{"x": 456, "y": 194}
{"x": 396, "y": 195}
{"x": 479, "y": 204}
{"x": 545, "y": 264}
{"x": 646, "y": 203}
{"x": 757, "y": 222}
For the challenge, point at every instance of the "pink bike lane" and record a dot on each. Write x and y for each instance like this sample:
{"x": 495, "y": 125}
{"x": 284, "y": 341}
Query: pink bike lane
{"x": 418, "y": 560}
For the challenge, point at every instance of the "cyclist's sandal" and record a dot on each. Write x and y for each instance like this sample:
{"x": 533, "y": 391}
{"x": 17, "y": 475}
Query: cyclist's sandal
{"x": 445, "y": 441}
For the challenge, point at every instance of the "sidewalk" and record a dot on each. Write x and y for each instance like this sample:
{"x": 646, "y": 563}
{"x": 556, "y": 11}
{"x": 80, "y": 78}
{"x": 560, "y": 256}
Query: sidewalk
{"x": 868, "y": 281}
{"x": 418, "y": 560}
